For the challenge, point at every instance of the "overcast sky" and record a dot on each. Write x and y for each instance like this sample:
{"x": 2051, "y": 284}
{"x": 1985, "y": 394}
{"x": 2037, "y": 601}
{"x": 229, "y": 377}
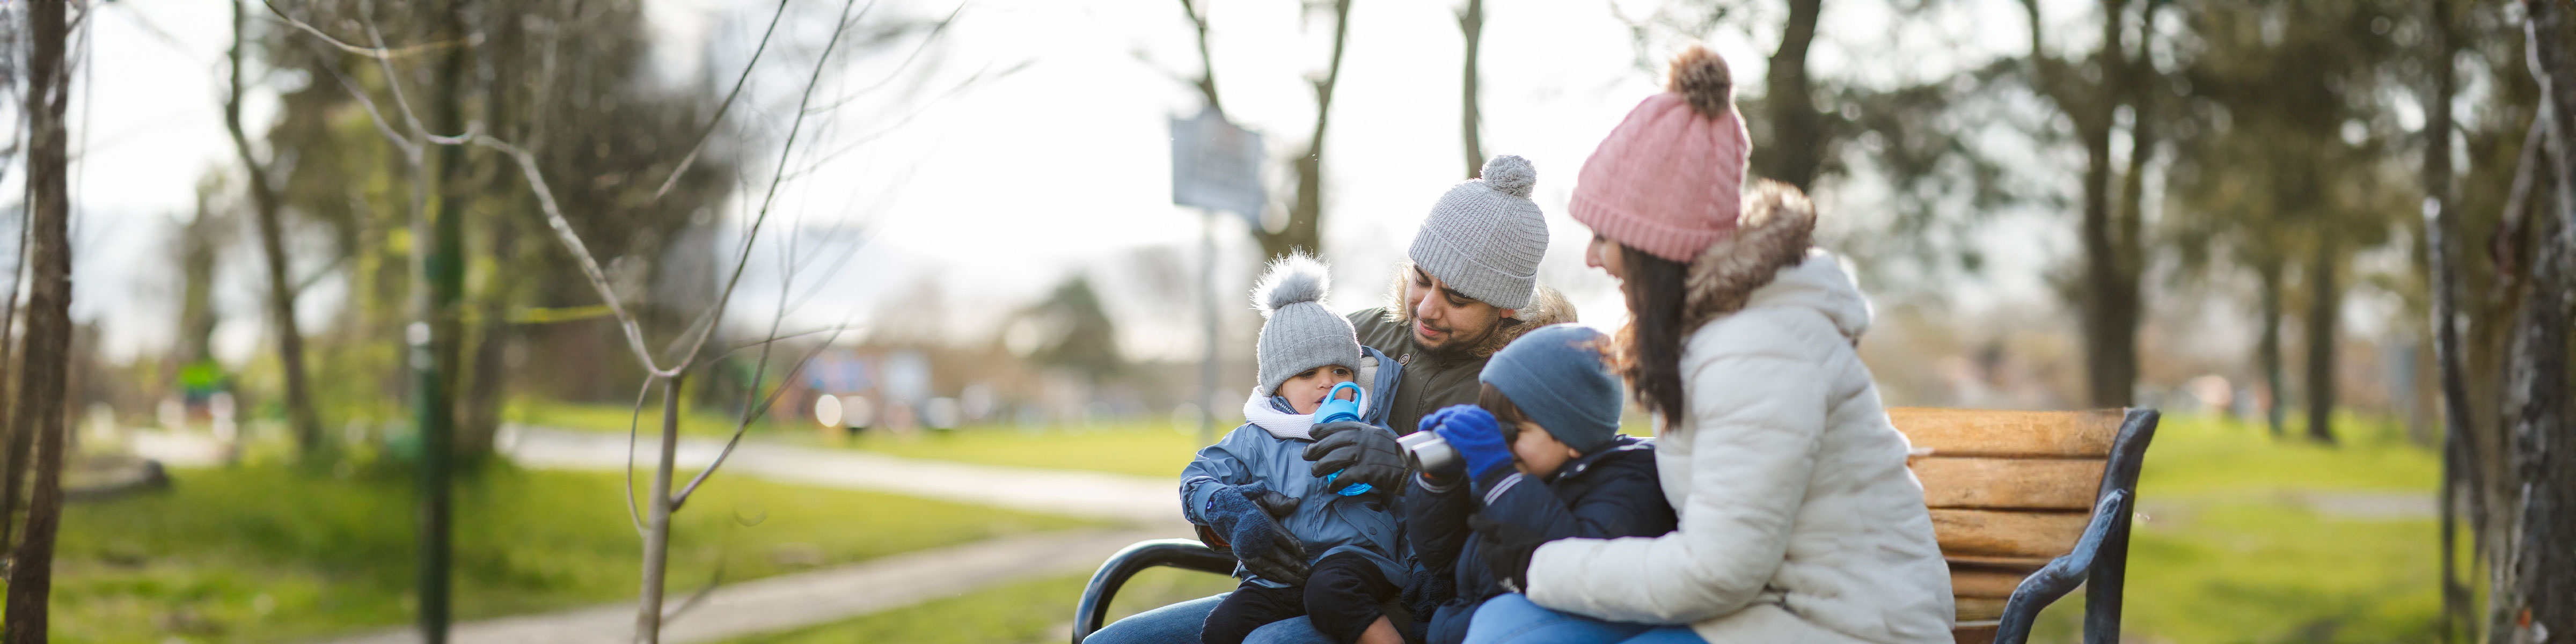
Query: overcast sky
{"x": 1000, "y": 188}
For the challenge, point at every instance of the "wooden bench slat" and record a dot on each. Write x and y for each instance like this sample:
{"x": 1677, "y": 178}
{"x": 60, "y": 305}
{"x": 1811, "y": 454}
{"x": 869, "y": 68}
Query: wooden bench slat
{"x": 2008, "y": 483}
{"x": 1979, "y": 633}
{"x": 1971, "y": 609}
{"x": 1984, "y": 582}
{"x": 2008, "y": 434}
{"x": 1987, "y": 533}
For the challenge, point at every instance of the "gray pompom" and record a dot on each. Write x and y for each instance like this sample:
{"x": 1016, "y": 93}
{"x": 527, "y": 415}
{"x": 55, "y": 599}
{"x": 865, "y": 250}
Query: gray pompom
{"x": 1510, "y": 174}
{"x": 1290, "y": 280}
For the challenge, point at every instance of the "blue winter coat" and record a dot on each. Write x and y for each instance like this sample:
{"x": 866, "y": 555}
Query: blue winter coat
{"x": 1325, "y": 522}
{"x": 1609, "y": 493}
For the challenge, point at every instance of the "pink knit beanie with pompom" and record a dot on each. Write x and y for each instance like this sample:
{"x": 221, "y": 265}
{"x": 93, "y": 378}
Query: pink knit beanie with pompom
{"x": 1669, "y": 179}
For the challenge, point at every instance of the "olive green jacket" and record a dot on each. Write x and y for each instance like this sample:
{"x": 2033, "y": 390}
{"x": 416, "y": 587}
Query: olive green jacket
{"x": 1431, "y": 381}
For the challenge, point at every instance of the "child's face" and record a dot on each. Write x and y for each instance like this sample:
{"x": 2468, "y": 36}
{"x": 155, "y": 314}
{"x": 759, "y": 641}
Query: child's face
{"x": 1305, "y": 391}
{"x": 1537, "y": 453}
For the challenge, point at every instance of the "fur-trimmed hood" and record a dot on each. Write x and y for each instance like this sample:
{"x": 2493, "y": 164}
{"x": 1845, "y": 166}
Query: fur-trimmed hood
{"x": 1546, "y": 307}
{"x": 1771, "y": 260}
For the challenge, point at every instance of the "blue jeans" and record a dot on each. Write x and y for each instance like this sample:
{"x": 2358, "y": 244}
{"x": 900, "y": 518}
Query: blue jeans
{"x": 1512, "y": 619}
{"x": 1180, "y": 623}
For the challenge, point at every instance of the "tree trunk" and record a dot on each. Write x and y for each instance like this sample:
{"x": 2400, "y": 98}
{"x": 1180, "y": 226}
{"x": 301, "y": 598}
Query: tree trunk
{"x": 266, "y": 203}
{"x": 2268, "y": 350}
{"x": 1471, "y": 22}
{"x": 2440, "y": 253}
{"x": 2325, "y": 298}
{"x": 1797, "y": 145}
{"x": 479, "y": 414}
{"x": 42, "y": 384}
{"x": 657, "y": 519}
{"x": 2537, "y": 386}
{"x": 2110, "y": 321}
{"x": 2123, "y": 302}
{"x": 2107, "y": 336}
{"x": 2489, "y": 353}
{"x": 1304, "y": 230}
{"x": 434, "y": 353}
{"x": 14, "y": 443}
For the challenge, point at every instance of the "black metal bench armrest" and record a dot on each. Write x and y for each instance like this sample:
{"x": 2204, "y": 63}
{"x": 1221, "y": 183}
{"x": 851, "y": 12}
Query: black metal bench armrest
{"x": 2062, "y": 574}
{"x": 2100, "y": 561}
{"x": 1093, "y": 612}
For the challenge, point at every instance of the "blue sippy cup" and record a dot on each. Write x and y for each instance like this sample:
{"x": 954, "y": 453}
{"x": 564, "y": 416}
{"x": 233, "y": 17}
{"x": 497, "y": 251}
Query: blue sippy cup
{"x": 1336, "y": 410}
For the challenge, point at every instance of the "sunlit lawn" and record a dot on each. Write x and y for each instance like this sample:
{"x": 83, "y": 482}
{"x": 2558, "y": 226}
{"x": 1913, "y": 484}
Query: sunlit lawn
{"x": 270, "y": 553}
{"x": 2234, "y": 547}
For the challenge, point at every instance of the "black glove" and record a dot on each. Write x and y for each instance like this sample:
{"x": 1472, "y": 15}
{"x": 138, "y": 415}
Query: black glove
{"x": 1505, "y": 549}
{"x": 1362, "y": 452}
{"x": 1264, "y": 548}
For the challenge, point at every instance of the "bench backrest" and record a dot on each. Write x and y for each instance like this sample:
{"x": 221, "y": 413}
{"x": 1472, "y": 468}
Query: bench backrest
{"x": 2009, "y": 491}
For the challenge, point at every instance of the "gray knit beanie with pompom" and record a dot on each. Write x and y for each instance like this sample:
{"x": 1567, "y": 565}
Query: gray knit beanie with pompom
{"x": 1300, "y": 333}
{"x": 1485, "y": 237}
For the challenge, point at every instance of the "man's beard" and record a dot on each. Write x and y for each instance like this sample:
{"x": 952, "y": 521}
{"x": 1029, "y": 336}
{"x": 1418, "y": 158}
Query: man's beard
{"x": 1456, "y": 342}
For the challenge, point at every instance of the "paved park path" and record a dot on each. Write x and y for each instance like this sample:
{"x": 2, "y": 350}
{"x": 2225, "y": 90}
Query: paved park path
{"x": 1143, "y": 506}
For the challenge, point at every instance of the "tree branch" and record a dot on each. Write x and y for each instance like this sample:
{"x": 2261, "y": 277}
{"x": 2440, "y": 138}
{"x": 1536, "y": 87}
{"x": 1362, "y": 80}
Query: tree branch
{"x": 739, "y": 81}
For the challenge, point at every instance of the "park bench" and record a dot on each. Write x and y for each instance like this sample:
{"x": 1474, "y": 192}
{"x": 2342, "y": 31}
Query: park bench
{"x": 2026, "y": 506}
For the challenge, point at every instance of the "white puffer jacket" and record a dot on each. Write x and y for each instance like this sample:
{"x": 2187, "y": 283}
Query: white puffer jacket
{"x": 1799, "y": 520}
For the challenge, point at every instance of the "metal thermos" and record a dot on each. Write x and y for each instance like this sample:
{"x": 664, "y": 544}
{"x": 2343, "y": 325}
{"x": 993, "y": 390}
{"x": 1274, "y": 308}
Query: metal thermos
{"x": 1430, "y": 455}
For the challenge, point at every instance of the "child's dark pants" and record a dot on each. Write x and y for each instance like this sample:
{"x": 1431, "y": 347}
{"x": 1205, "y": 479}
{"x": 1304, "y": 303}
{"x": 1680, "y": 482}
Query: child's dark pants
{"x": 1341, "y": 596}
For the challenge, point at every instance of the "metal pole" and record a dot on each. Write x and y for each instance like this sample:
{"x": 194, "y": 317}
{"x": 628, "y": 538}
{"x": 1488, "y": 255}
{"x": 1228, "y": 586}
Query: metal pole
{"x": 1208, "y": 311}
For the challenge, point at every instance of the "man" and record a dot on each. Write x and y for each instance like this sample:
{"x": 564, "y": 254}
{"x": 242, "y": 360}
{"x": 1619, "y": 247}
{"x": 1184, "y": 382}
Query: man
{"x": 1471, "y": 287}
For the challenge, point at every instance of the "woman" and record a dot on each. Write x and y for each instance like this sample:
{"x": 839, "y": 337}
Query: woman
{"x": 1799, "y": 521}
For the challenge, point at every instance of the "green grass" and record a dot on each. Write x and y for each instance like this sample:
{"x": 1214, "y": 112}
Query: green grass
{"x": 2230, "y": 552}
{"x": 271, "y": 553}
{"x": 1039, "y": 611}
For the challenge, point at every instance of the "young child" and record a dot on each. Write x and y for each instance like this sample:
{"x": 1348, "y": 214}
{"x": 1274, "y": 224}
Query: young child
{"x": 1544, "y": 460}
{"x": 1325, "y": 551}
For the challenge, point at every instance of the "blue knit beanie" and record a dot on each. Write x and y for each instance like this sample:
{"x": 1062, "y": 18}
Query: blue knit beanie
{"x": 1555, "y": 374}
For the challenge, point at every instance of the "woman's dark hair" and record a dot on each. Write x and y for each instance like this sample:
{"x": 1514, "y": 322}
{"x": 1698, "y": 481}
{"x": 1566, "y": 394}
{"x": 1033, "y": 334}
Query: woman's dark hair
{"x": 1506, "y": 414}
{"x": 1650, "y": 346}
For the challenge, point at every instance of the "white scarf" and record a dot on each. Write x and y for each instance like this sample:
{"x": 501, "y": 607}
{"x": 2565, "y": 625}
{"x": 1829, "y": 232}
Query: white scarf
{"x": 1257, "y": 409}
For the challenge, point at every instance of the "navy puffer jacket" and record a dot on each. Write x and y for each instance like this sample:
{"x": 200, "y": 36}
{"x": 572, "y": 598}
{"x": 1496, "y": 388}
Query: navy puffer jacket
{"x": 1610, "y": 493}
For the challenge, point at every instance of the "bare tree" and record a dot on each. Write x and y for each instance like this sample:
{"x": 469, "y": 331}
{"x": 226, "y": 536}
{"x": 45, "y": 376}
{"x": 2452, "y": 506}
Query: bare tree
{"x": 1798, "y": 138}
{"x": 2091, "y": 92}
{"x": 666, "y": 370}
{"x": 1304, "y": 226}
{"x": 2542, "y": 427}
{"x": 42, "y": 384}
{"x": 265, "y": 207}
{"x": 2439, "y": 222}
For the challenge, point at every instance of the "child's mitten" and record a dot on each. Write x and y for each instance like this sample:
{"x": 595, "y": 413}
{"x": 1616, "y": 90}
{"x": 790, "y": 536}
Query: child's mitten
{"x": 1264, "y": 548}
{"x": 1473, "y": 432}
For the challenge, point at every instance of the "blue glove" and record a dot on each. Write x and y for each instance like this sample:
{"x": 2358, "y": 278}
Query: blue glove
{"x": 1473, "y": 433}
{"x": 1264, "y": 548}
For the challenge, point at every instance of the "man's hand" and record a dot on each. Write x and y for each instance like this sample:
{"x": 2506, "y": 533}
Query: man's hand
{"x": 1264, "y": 548}
{"x": 1363, "y": 453}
